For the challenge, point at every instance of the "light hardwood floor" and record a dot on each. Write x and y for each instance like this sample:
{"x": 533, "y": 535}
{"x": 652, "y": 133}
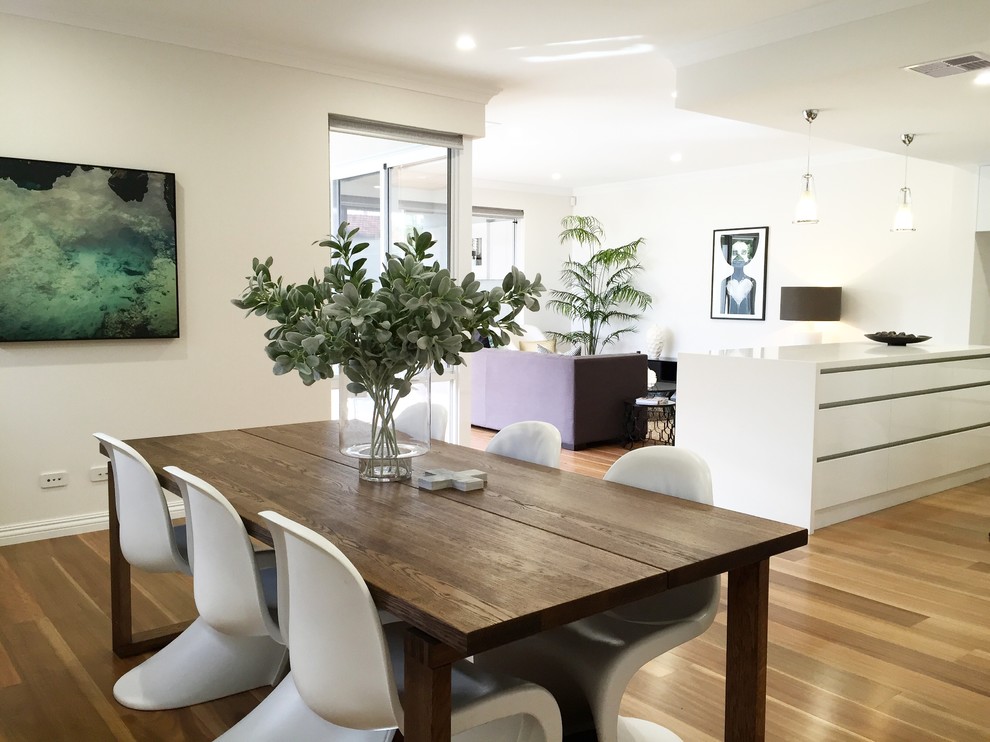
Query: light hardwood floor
{"x": 879, "y": 630}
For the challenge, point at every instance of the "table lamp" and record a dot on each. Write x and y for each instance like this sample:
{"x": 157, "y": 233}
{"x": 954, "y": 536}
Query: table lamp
{"x": 811, "y": 304}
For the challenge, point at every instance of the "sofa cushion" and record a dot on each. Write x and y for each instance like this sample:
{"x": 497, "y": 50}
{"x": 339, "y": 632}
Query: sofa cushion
{"x": 548, "y": 346}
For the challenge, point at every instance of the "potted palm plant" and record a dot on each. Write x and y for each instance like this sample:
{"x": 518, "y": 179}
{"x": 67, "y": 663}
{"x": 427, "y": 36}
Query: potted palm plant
{"x": 598, "y": 293}
{"x": 382, "y": 333}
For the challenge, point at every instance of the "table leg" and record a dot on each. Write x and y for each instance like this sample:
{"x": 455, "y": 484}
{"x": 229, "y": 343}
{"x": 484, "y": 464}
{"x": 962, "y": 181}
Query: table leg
{"x": 123, "y": 639}
{"x": 746, "y": 652}
{"x": 426, "y": 705}
{"x": 120, "y": 580}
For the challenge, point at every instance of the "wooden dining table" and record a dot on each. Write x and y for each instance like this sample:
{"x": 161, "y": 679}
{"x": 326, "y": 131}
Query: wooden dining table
{"x": 469, "y": 571}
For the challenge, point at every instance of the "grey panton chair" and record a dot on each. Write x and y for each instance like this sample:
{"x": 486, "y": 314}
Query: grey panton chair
{"x": 588, "y": 664}
{"x": 232, "y": 646}
{"x": 347, "y": 669}
{"x": 531, "y": 440}
{"x": 149, "y": 539}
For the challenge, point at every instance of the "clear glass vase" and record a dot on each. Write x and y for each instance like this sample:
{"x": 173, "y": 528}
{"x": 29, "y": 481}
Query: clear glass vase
{"x": 384, "y": 430}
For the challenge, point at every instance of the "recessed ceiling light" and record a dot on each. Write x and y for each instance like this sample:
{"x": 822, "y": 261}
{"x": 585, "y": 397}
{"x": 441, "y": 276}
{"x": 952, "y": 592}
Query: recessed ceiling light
{"x": 555, "y": 176}
{"x": 583, "y": 42}
{"x": 466, "y": 42}
{"x": 591, "y": 54}
{"x": 676, "y": 157}
{"x": 982, "y": 79}
{"x": 673, "y": 94}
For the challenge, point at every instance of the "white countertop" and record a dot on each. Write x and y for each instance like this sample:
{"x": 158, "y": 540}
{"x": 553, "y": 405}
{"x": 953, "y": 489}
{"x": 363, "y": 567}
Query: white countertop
{"x": 845, "y": 354}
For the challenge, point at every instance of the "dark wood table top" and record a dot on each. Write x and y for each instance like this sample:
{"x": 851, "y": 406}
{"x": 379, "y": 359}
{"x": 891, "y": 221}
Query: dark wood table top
{"x": 536, "y": 548}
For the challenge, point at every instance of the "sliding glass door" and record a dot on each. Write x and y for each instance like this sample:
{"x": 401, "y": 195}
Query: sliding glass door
{"x": 387, "y": 187}
{"x": 419, "y": 197}
{"x": 386, "y": 181}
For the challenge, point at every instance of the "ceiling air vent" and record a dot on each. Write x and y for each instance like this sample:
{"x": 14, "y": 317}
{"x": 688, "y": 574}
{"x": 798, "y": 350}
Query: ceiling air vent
{"x": 953, "y": 65}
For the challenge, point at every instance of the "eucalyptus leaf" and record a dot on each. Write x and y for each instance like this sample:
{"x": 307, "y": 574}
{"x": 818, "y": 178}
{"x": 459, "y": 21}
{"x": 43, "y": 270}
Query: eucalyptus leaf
{"x": 416, "y": 316}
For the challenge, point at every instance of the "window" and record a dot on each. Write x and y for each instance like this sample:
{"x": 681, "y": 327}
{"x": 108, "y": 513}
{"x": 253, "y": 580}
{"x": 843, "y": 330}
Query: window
{"x": 495, "y": 240}
{"x": 388, "y": 179}
{"x": 385, "y": 180}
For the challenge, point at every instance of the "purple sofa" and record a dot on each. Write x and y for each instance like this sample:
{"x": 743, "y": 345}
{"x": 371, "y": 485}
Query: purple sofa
{"x": 583, "y": 396}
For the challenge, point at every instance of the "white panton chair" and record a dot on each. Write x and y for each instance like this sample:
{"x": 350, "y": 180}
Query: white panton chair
{"x": 233, "y": 645}
{"x": 531, "y": 440}
{"x": 148, "y": 538}
{"x": 588, "y": 664}
{"x": 347, "y": 669}
{"x": 411, "y": 420}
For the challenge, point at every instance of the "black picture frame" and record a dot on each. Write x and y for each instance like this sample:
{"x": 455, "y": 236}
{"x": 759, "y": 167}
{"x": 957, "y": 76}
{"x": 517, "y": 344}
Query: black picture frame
{"x": 739, "y": 273}
{"x": 87, "y": 252}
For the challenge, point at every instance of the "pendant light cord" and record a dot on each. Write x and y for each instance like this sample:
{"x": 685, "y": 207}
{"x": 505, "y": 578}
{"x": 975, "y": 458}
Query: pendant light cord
{"x": 810, "y": 114}
{"x": 907, "y": 139}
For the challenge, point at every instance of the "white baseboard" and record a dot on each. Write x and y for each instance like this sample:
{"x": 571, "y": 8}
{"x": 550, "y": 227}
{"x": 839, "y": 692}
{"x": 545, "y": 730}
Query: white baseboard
{"x": 37, "y": 530}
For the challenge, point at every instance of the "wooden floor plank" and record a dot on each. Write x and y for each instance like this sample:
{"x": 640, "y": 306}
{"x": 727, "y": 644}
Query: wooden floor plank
{"x": 51, "y": 703}
{"x": 16, "y": 601}
{"x": 935, "y": 722}
{"x": 878, "y": 630}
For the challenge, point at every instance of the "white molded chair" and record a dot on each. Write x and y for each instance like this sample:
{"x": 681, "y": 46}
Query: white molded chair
{"x": 232, "y": 647}
{"x": 411, "y": 420}
{"x": 588, "y": 664}
{"x": 531, "y": 440}
{"x": 148, "y": 538}
{"x": 347, "y": 669}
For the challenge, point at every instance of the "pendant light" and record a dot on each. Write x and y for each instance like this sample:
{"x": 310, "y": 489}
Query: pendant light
{"x": 904, "y": 219}
{"x": 807, "y": 207}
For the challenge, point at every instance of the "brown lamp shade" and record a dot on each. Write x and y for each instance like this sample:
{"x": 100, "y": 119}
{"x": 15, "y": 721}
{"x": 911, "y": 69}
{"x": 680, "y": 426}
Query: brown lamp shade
{"x": 811, "y": 303}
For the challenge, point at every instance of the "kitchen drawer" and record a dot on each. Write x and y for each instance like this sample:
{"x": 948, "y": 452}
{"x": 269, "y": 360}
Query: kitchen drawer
{"x": 839, "y": 386}
{"x": 850, "y": 478}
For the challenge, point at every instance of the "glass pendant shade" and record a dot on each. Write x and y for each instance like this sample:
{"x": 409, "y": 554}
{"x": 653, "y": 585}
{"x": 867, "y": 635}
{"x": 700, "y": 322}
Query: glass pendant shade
{"x": 904, "y": 219}
{"x": 806, "y": 211}
{"x": 807, "y": 205}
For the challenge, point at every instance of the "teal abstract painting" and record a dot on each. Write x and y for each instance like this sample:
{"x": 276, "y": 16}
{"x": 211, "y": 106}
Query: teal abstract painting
{"x": 86, "y": 252}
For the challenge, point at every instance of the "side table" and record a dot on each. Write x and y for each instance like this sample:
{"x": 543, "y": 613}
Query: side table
{"x": 650, "y": 424}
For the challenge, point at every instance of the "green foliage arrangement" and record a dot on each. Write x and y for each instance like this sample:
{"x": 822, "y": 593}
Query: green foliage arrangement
{"x": 382, "y": 333}
{"x": 599, "y": 292}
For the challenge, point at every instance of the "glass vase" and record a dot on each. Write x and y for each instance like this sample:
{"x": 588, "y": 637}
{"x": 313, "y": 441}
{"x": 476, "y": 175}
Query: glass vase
{"x": 384, "y": 430}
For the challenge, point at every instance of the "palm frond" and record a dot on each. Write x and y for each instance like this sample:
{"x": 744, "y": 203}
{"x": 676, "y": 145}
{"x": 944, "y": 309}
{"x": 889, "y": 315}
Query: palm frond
{"x": 615, "y": 256}
{"x": 567, "y": 310}
{"x": 625, "y": 274}
{"x": 613, "y": 336}
{"x": 585, "y": 230}
{"x": 576, "y": 337}
{"x": 629, "y": 295}
{"x": 598, "y": 292}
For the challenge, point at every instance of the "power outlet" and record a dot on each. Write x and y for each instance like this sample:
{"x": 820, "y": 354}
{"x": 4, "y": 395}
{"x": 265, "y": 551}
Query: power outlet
{"x": 98, "y": 473}
{"x": 51, "y": 479}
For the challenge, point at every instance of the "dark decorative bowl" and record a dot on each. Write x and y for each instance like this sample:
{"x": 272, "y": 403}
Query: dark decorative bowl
{"x": 897, "y": 338}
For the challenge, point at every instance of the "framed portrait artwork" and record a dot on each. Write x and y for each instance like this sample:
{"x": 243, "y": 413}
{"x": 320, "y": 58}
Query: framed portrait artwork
{"x": 739, "y": 273}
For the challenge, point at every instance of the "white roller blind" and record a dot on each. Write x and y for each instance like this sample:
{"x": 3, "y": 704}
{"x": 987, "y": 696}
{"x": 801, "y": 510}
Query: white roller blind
{"x": 384, "y": 130}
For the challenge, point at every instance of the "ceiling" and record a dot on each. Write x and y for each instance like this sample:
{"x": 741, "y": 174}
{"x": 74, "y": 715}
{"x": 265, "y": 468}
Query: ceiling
{"x": 584, "y": 90}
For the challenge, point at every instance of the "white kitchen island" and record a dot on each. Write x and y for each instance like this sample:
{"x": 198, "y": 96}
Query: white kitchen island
{"x": 816, "y": 434}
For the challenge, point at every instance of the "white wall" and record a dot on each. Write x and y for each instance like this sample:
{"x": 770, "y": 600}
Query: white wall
{"x": 248, "y": 144}
{"x": 920, "y": 282}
